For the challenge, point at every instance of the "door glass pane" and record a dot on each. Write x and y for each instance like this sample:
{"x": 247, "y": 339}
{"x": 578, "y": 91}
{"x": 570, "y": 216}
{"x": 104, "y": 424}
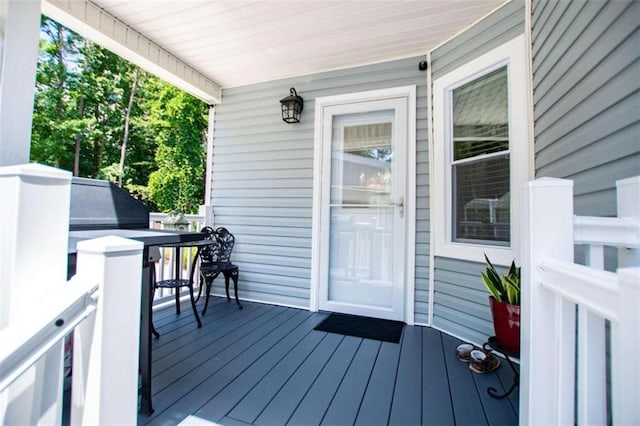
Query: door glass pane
{"x": 361, "y": 209}
{"x": 480, "y": 166}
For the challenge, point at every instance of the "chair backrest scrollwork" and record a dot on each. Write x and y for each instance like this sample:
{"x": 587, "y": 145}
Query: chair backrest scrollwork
{"x": 226, "y": 241}
{"x": 219, "y": 251}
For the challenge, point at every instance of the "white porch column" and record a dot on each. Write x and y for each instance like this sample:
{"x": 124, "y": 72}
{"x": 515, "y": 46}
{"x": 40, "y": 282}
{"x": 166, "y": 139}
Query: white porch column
{"x": 20, "y": 28}
{"x": 207, "y": 208}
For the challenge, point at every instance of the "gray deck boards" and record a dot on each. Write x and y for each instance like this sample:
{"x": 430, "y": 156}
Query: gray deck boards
{"x": 265, "y": 365}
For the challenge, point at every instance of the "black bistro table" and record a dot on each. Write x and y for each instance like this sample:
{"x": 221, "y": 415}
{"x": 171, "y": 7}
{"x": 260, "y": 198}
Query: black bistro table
{"x": 150, "y": 238}
{"x": 177, "y": 247}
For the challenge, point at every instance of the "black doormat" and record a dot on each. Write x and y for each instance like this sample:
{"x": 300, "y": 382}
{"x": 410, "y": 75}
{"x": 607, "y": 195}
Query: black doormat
{"x": 368, "y": 328}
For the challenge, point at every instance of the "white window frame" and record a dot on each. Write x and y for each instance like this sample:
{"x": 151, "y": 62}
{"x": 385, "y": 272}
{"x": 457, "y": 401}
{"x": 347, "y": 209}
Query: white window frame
{"x": 512, "y": 55}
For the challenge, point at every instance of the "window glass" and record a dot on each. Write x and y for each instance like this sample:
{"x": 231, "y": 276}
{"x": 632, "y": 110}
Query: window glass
{"x": 362, "y": 161}
{"x": 480, "y": 162}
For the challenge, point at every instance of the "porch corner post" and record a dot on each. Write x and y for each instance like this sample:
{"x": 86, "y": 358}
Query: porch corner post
{"x": 624, "y": 333}
{"x": 20, "y": 27}
{"x": 624, "y": 349}
{"x": 106, "y": 345}
{"x": 208, "y": 220}
{"x": 547, "y": 232}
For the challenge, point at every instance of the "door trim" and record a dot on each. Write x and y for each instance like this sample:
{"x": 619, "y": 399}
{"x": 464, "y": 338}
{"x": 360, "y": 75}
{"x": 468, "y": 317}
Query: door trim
{"x": 409, "y": 94}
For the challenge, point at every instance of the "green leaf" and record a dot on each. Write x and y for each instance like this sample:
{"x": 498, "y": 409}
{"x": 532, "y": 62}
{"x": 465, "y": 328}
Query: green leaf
{"x": 505, "y": 288}
{"x": 490, "y": 286}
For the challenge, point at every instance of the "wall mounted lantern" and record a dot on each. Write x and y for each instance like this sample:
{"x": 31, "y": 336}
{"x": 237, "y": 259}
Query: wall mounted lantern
{"x": 291, "y": 107}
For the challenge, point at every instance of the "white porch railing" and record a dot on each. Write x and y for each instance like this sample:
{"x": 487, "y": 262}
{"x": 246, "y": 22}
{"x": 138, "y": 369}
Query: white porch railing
{"x": 165, "y": 267}
{"x": 39, "y": 308}
{"x": 566, "y": 376}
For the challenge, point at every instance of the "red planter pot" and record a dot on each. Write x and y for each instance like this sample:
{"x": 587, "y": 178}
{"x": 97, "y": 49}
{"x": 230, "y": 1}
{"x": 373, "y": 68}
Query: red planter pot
{"x": 506, "y": 323}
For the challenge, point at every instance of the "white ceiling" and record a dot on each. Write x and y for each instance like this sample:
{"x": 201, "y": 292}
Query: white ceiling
{"x": 239, "y": 42}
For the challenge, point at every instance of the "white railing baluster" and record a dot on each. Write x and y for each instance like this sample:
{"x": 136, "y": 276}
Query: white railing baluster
{"x": 563, "y": 352}
{"x": 591, "y": 368}
{"x": 592, "y": 377}
{"x": 105, "y": 361}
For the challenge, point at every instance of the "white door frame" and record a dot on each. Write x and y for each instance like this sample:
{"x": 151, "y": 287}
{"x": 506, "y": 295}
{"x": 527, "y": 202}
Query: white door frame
{"x": 409, "y": 94}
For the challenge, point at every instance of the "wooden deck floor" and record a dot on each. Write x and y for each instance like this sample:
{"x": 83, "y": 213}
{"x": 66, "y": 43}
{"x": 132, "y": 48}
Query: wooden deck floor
{"x": 265, "y": 365}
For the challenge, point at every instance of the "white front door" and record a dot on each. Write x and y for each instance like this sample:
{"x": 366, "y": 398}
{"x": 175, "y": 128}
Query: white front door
{"x": 362, "y": 208}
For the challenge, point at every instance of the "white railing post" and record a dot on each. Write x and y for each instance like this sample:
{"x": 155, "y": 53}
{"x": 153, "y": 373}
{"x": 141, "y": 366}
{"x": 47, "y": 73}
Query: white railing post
{"x": 625, "y": 346}
{"x": 105, "y": 358}
{"x": 625, "y": 337}
{"x": 34, "y": 218}
{"x": 206, "y": 210}
{"x": 547, "y": 321}
{"x": 628, "y": 192}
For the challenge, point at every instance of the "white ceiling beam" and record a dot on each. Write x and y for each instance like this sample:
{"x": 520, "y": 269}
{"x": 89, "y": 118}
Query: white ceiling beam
{"x": 94, "y": 23}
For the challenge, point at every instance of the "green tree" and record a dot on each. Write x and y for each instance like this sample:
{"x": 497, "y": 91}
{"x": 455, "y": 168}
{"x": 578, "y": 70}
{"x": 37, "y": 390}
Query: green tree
{"x": 54, "y": 123}
{"x": 103, "y": 117}
{"x": 180, "y": 123}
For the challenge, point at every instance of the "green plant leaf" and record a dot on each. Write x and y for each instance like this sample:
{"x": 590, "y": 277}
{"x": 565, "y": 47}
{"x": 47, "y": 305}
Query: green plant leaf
{"x": 497, "y": 282}
{"x": 505, "y": 288}
{"x": 490, "y": 286}
{"x": 512, "y": 283}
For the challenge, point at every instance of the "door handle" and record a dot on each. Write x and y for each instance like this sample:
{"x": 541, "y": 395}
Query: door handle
{"x": 400, "y": 205}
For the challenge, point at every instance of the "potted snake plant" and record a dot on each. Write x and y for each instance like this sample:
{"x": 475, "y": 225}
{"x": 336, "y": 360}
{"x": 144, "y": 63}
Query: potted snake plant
{"x": 505, "y": 304}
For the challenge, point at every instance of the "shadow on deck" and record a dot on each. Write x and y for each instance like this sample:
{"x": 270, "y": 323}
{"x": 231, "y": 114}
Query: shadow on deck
{"x": 265, "y": 365}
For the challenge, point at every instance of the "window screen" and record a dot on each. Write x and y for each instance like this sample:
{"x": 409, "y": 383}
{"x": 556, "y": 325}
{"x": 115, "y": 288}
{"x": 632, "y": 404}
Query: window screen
{"x": 480, "y": 161}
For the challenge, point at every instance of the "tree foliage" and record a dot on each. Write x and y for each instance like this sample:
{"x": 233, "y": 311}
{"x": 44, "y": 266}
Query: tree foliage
{"x": 84, "y": 111}
{"x": 179, "y": 121}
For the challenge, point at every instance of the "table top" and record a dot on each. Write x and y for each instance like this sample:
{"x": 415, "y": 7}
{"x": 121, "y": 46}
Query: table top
{"x": 198, "y": 243}
{"x": 149, "y": 237}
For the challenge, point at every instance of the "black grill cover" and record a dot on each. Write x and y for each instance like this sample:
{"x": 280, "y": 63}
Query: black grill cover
{"x": 98, "y": 204}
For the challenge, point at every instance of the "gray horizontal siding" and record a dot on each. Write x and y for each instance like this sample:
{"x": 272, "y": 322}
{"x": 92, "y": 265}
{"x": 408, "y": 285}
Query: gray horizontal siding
{"x": 587, "y": 97}
{"x": 495, "y": 29}
{"x": 262, "y": 182}
{"x": 461, "y": 301}
{"x": 461, "y": 304}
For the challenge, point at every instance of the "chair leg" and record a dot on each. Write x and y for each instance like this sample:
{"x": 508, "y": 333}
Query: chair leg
{"x": 226, "y": 284}
{"x": 193, "y": 306}
{"x": 208, "y": 283}
{"x": 234, "y": 276}
{"x": 199, "y": 289}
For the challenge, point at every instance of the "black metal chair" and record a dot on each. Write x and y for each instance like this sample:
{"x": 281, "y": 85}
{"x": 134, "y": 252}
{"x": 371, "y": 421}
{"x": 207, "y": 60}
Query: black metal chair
{"x": 215, "y": 259}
